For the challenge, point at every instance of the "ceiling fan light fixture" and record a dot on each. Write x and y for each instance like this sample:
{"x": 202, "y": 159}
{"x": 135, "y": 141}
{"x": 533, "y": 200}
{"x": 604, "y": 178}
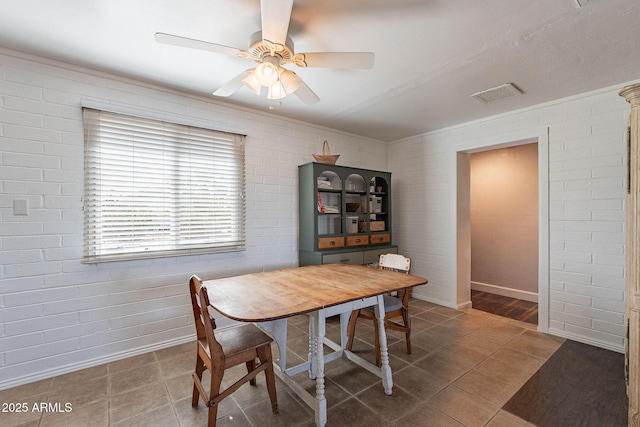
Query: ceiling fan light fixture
{"x": 276, "y": 91}
{"x": 267, "y": 72}
{"x": 290, "y": 81}
{"x": 252, "y": 82}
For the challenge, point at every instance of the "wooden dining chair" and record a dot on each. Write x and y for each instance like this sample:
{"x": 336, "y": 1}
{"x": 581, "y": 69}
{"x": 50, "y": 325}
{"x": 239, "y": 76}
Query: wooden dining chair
{"x": 394, "y": 306}
{"x": 220, "y": 350}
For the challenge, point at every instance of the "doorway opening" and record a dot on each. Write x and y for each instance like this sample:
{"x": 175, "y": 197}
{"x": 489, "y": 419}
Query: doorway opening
{"x": 502, "y": 229}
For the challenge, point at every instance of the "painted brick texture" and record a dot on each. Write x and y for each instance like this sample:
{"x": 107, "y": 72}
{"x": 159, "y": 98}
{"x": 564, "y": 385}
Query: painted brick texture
{"x": 57, "y": 314}
{"x": 587, "y": 179}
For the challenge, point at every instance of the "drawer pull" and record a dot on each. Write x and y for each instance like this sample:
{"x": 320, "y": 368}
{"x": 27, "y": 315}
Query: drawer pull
{"x": 345, "y": 260}
{"x": 332, "y": 243}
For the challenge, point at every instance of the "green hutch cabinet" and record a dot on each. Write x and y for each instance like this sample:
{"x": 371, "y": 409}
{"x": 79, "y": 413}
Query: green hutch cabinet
{"x": 344, "y": 214}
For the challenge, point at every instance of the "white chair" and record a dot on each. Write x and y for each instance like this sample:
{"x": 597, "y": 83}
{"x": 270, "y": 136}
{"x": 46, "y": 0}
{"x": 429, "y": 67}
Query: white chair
{"x": 394, "y": 306}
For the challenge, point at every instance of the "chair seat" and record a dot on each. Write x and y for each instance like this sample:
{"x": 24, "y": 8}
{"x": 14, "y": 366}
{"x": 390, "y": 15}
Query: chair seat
{"x": 238, "y": 339}
{"x": 390, "y": 304}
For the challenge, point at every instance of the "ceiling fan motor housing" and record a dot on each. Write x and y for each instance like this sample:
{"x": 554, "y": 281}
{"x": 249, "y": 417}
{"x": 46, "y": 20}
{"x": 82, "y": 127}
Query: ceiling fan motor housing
{"x": 258, "y": 49}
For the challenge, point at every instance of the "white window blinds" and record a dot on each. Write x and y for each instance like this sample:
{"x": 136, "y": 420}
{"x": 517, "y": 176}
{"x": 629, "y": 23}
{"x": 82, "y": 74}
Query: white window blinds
{"x": 158, "y": 189}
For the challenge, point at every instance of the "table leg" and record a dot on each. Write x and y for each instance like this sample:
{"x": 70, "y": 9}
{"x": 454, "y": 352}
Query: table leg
{"x": 278, "y": 329}
{"x": 387, "y": 381}
{"x": 344, "y": 325}
{"x": 312, "y": 348}
{"x": 318, "y": 318}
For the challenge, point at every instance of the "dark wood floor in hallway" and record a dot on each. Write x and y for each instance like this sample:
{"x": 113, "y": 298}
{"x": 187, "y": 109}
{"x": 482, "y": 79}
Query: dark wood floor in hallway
{"x": 524, "y": 311}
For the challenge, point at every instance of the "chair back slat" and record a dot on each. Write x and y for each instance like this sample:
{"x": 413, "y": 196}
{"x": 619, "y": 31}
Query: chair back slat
{"x": 194, "y": 289}
{"x": 395, "y": 262}
{"x": 401, "y": 264}
{"x": 205, "y": 323}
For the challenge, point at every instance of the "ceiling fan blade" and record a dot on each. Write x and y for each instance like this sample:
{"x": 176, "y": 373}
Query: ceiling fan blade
{"x": 275, "y": 20}
{"x": 198, "y": 44}
{"x": 359, "y": 60}
{"x": 305, "y": 94}
{"x": 232, "y": 85}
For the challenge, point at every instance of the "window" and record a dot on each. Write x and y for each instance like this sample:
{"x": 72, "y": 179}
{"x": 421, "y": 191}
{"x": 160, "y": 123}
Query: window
{"x": 157, "y": 189}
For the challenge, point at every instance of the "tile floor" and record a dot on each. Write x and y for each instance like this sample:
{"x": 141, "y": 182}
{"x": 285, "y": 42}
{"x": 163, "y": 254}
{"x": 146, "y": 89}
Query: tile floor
{"x": 464, "y": 366}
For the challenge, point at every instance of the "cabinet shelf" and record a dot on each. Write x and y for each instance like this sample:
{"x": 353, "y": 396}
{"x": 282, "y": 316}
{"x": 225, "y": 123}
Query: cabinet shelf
{"x": 359, "y": 219}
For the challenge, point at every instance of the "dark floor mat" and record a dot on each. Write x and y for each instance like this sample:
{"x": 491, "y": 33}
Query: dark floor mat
{"x": 580, "y": 385}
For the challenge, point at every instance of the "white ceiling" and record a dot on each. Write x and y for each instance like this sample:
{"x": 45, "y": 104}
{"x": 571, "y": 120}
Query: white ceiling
{"x": 431, "y": 55}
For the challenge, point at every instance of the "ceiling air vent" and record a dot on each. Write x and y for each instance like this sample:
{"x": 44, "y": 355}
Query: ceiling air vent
{"x": 497, "y": 93}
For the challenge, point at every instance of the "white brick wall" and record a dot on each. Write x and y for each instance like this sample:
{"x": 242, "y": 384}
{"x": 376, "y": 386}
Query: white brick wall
{"x": 587, "y": 178}
{"x": 57, "y": 314}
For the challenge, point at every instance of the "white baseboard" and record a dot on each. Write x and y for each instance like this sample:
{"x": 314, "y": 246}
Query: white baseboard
{"x": 422, "y": 297}
{"x": 467, "y": 304}
{"x": 586, "y": 340}
{"x": 505, "y": 292}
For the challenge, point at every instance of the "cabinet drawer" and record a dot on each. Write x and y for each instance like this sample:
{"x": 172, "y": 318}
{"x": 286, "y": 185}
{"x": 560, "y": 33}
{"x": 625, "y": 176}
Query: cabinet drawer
{"x": 357, "y": 240}
{"x": 330, "y": 242}
{"x": 344, "y": 258}
{"x": 379, "y": 239}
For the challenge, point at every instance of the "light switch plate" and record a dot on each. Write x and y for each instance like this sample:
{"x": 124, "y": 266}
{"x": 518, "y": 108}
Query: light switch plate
{"x": 21, "y": 207}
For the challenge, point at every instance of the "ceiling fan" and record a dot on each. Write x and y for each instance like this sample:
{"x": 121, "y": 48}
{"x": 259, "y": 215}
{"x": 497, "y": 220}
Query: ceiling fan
{"x": 271, "y": 48}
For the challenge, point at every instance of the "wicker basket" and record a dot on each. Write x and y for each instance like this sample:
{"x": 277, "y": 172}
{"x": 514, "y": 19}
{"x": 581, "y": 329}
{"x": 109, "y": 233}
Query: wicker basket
{"x": 326, "y": 156}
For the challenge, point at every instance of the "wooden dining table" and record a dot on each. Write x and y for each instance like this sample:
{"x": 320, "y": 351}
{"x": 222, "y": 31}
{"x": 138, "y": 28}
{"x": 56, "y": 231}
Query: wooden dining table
{"x": 321, "y": 291}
